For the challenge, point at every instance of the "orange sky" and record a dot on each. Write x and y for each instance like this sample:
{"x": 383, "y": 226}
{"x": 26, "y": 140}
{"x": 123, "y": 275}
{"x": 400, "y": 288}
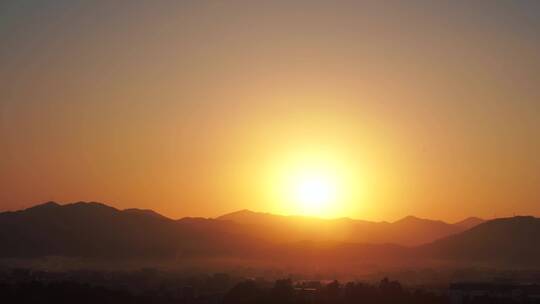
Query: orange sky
{"x": 191, "y": 109}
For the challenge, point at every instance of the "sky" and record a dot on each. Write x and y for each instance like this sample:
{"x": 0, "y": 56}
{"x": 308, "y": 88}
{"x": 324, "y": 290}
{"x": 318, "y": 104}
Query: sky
{"x": 199, "y": 108}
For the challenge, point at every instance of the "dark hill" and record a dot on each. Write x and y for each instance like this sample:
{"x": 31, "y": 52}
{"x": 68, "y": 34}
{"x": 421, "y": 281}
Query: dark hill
{"x": 469, "y": 222}
{"x": 512, "y": 241}
{"x": 100, "y": 231}
{"x": 147, "y": 212}
{"x": 408, "y": 231}
{"x": 97, "y": 230}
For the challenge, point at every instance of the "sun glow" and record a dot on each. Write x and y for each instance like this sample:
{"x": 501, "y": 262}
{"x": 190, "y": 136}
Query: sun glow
{"x": 315, "y": 192}
{"x": 315, "y": 184}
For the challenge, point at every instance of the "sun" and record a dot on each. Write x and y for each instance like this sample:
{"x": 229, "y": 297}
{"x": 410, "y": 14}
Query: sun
{"x": 315, "y": 192}
{"x": 315, "y": 189}
{"x": 313, "y": 182}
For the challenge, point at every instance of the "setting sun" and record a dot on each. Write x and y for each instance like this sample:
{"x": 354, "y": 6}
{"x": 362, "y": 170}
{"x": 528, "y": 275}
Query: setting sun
{"x": 312, "y": 181}
{"x": 297, "y": 152}
{"x": 315, "y": 192}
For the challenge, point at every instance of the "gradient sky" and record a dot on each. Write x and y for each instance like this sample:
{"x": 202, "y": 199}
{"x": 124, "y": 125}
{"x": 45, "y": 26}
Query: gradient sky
{"x": 189, "y": 108}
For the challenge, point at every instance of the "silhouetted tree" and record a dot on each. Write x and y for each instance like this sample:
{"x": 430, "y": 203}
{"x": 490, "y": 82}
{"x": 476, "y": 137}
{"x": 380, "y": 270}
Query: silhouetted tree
{"x": 244, "y": 293}
{"x": 361, "y": 293}
{"x": 391, "y": 291}
{"x": 282, "y": 292}
{"x": 333, "y": 289}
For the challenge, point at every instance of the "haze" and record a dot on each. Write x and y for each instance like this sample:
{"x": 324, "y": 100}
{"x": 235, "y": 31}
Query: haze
{"x": 202, "y": 108}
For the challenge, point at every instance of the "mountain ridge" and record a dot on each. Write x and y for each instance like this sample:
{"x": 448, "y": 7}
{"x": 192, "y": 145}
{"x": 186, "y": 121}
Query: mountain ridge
{"x": 248, "y": 212}
{"x": 408, "y": 231}
{"x": 513, "y": 240}
{"x": 96, "y": 230}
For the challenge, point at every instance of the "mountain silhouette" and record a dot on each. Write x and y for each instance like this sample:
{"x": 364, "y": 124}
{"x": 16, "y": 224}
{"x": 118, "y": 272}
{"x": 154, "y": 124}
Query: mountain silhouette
{"x": 469, "y": 222}
{"x": 96, "y": 230}
{"x": 408, "y": 231}
{"x": 147, "y": 212}
{"x": 512, "y": 241}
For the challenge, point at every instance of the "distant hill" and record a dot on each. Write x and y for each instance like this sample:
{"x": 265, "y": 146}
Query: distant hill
{"x": 408, "y": 231}
{"x": 512, "y": 241}
{"x": 469, "y": 222}
{"x": 147, "y": 212}
{"x": 100, "y": 231}
{"x": 97, "y": 230}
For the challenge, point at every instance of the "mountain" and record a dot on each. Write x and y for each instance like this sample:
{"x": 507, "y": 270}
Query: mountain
{"x": 79, "y": 229}
{"x": 96, "y": 230}
{"x": 510, "y": 241}
{"x": 412, "y": 230}
{"x": 147, "y": 212}
{"x": 409, "y": 231}
{"x": 469, "y": 222}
